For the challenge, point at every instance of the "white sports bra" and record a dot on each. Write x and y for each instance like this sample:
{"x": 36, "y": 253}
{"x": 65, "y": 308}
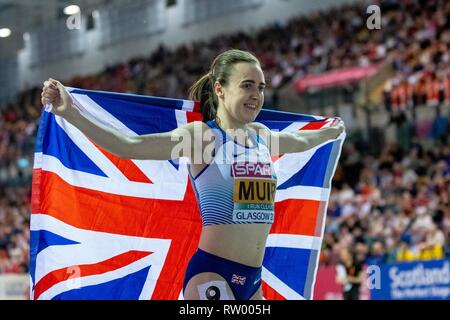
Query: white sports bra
{"x": 239, "y": 185}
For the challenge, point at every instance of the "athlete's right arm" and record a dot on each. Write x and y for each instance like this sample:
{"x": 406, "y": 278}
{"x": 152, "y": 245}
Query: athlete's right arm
{"x": 159, "y": 146}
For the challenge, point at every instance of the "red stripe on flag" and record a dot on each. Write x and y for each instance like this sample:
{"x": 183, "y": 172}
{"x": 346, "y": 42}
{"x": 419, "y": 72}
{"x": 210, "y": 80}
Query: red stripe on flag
{"x": 105, "y": 212}
{"x": 194, "y": 116}
{"x": 314, "y": 125}
{"x": 36, "y": 190}
{"x": 296, "y": 216}
{"x": 197, "y": 106}
{"x": 85, "y": 270}
{"x": 127, "y": 167}
{"x": 88, "y": 209}
{"x": 269, "y": 293}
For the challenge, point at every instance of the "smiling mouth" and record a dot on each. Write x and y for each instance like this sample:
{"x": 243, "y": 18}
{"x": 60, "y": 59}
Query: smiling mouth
{"x": 251, "y": 106}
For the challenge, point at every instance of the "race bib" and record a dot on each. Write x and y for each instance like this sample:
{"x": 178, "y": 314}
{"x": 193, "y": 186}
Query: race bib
{"x": 254, "y": 200}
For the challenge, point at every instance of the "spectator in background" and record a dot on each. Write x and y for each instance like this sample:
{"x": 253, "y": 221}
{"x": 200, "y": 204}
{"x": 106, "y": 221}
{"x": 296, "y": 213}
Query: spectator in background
{"x": 377, "y": 254}
{"x": 433, "y": 246}
{"x": 440, "y": 127}
{"x": 349, "y": 274}
{"x": 404, "y": 253}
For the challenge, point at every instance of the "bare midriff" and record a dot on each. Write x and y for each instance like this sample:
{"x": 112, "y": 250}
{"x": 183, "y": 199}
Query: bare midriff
{"x": 242, "y": 243}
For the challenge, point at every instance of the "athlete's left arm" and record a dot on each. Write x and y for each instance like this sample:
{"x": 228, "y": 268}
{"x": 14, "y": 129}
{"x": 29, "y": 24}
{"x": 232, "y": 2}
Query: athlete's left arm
{"x": 298, "y": 141}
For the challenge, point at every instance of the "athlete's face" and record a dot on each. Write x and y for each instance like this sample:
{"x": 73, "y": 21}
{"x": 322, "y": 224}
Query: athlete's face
{"x": 243, "y": 96}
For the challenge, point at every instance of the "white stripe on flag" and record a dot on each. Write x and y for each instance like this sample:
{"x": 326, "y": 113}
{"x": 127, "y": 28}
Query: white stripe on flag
{"x": 291, "y": 163}
{"x": 108, "y": 119}
{"x": 295, "y": 126}
{"x": 37, "y": 163}
{"x": 188, "y": 105}
{"x": 304, "y": 193}
{"x": 77, "y": 283}
{"x": 93, "y": 247}
{"x": 164, "y": 190}
{"x": 93, "y": 110}
{"x": 280, "y": 286}
{"x": 180, "y": 115}
{"x": 294, "y": 241}
{"x": 90, "y": 149}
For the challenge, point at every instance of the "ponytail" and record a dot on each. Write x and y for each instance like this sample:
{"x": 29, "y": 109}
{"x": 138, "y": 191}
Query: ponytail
{"x": 203, "y": 91}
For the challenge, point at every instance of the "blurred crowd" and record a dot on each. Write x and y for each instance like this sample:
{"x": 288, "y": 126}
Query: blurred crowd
{"x": 14, "y": 229}
{"x": 324, "y": 40}
{"x": 393, "y": 207}
{"x": 383, "y": 208}
{"x": 17, "y": 136}
{"x": 422, "y": 62}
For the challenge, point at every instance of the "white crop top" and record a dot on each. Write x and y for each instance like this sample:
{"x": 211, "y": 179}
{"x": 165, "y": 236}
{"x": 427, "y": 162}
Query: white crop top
{"x": 239, "y": 185}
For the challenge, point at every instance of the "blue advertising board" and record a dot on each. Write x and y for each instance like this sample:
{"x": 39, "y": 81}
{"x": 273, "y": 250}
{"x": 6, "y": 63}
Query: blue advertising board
{"x": 421, "y": 280}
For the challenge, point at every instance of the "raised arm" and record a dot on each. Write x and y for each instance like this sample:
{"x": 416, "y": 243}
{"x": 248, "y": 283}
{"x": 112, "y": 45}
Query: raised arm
{"x": 298, "y": 141}
{"x": 158, "y": 146}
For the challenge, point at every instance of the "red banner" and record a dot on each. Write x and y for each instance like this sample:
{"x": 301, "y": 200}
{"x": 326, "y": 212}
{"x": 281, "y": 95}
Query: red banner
{"x": 326, "y": 287}
{"x": 335, "y": 77}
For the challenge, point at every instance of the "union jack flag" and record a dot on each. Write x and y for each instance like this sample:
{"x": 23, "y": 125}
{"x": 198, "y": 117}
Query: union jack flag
{"x": 238, "y": 279}
{"x": 103, "y": 227}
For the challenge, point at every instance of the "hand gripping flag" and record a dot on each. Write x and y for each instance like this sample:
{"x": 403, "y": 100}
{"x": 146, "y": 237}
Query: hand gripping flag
{"x": 103, "y": 227}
